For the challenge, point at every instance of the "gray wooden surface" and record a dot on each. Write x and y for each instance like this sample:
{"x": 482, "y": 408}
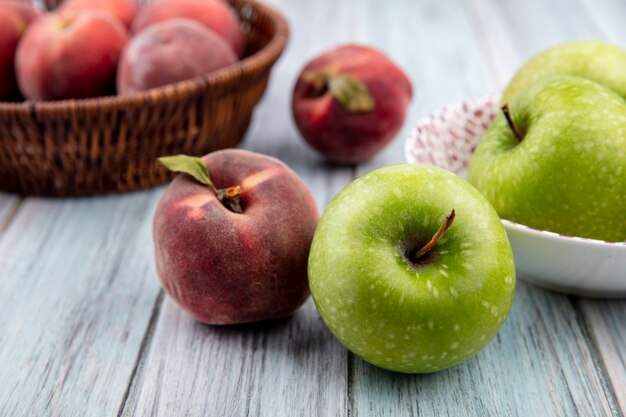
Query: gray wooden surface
{"x": 86, "y": 331}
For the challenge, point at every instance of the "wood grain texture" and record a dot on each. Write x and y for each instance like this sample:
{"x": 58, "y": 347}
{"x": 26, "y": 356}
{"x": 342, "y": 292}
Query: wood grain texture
{"x": 512, "y": 32}
{"x": 288, "y": 367}
{"x": 9, "y": 205}
{"x": 77, "y": 293}
{"x": 608, "y": 18}
{"x": 605, "y": 320}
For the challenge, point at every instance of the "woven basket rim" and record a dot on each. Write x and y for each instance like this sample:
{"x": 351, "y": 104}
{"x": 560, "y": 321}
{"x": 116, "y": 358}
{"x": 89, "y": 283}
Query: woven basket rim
{"x": 265, "y": 57}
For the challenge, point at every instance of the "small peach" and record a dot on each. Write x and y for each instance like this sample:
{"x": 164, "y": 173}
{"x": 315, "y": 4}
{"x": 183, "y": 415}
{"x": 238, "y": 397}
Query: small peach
{"x": 70, "y": 55}
{"x": 168, "y": 52}
{"x": 350, "y": 102}
{"x": 216, "y": 15}
{"x": 15, "y": 16}
{"x": 124, "y": 10}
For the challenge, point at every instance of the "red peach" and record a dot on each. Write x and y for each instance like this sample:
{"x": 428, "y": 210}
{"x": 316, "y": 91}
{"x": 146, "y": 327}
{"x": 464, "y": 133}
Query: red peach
{"x": 26, "y": 11}
{"x": 124, "y": 10}
{"x": 217, "y": 15}
{"x": 350, "y": 102}
{"x": 224, "y": 267}
{"x": 15, "y": 16}
{"x": 168, "y": 52}
{"x": 70, "y": 55}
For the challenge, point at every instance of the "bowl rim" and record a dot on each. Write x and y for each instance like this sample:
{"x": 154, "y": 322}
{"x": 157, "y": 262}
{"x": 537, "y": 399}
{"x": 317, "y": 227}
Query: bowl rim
{"x": 264, "y": 57}
{"x": 481, "y": 101}
{"x": 561, "y": 238}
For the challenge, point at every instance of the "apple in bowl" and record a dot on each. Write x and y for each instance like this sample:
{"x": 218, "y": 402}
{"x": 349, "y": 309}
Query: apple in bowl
{"x": 554, "y": 159}
{"x": 575, "y": 265}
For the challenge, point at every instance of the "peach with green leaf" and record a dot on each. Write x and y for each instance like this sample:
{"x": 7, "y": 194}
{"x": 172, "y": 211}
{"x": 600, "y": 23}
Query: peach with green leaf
{"x": 350, "y": 102}
{"x": 232, "y": 237}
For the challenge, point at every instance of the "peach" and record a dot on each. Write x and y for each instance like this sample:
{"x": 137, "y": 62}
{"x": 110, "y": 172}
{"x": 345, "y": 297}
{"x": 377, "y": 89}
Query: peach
{"x": 227, "y": 267}
{"x": 15, "y": 17}
{"x": 350, "y": 102}
{"x": 70, "y": 55}
{"x": 214, "y": 14}
{"x": 124, "y": 10}
{"x": 171, "y": 51}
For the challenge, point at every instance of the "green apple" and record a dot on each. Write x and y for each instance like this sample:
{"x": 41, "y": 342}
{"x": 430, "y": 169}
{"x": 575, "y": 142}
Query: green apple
{"x": 410, "y": 268}
{"x": 558, "y": 162}
{"x": 597, "y": 61}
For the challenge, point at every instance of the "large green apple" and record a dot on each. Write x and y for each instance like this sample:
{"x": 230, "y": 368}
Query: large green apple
{"x": 560, "y": 164}
{"x": 597, "y": 61}
{"x": 410, "y": 268}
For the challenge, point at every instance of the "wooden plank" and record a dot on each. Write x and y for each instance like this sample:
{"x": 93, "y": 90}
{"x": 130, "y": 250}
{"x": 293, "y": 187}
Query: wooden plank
{"x": 9, "y": 205}
{"x": 77, "y": 294}
{"x": 608, "y": 17}
{"x": 290, "y": 368}
{"x": 605, "y": 320}
{"x": 512, "y": 32}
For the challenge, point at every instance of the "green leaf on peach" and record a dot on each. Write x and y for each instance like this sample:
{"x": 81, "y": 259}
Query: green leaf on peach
{"x": 191, "y": 165}
{"x": 352, "y": 94}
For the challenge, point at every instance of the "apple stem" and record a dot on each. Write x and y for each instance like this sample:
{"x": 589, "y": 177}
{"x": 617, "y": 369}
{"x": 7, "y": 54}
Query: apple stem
{"x": 433, "y": 241}
{"x": 509, "y": 120}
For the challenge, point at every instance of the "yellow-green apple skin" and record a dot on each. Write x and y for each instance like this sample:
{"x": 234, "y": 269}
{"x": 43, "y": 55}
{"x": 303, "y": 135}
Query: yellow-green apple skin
{"x": 567, "y": 172}
{"x": 405, "y": 316}
{"x": 598, "y": 61}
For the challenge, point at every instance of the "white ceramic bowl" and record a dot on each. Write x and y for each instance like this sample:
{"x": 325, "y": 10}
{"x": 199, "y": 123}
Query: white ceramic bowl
{"x": 567, "y": 264}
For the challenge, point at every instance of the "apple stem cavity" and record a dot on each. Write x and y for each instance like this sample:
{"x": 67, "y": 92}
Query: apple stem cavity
{"x": 509, "y": 120}
{"x": 352, "y": 94}
{"x": 195, "y": 167}
{"x": 433, "y": 241}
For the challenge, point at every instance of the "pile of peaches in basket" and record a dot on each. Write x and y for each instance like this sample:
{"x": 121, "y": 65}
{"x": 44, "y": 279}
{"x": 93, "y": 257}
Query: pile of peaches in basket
{"x": 91, "y": 48}
{"x": 348, "y": 103}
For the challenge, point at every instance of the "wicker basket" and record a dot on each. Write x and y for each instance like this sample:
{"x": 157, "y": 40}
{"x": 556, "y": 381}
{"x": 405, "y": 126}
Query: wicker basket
{"x": 110, "y": 144}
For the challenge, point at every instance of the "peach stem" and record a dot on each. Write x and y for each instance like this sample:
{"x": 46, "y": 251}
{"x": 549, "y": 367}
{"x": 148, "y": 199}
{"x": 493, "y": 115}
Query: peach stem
{"x": 229, "y": 197}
